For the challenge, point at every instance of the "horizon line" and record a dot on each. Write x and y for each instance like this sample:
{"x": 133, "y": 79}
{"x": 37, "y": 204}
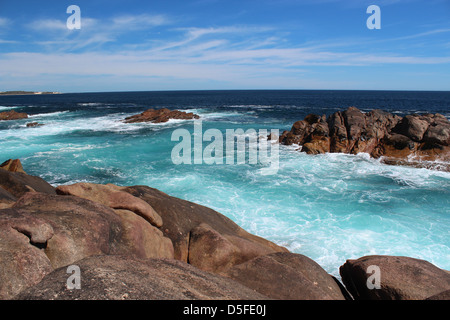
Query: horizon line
{"x": 210, "y": 90}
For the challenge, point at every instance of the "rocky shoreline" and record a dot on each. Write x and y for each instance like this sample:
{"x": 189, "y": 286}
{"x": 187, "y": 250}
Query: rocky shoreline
{"x": 136, "y": 242}
{"x": 421, "y": 140}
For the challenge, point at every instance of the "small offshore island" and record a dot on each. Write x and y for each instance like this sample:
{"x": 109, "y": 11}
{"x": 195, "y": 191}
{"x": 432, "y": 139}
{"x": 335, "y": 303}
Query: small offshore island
{"x": 21, "y": 93}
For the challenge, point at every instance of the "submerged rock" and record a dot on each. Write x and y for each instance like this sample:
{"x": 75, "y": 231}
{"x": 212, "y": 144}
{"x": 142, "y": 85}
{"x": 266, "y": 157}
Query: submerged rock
{"x": 34, "y": 124}
{"x": 160, "y": 115}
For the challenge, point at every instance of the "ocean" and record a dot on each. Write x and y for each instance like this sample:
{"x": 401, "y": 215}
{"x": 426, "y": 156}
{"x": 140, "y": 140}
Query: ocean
{"x": 329, "y": 207}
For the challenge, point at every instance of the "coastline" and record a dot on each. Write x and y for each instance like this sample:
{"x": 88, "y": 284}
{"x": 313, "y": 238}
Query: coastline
{"x": 135, "y": 229}
{"x": 225, "y": 159}
{"x": 354, "y": 198}
{"x": 25, "y": 93}
{"x": 116, "y": 122}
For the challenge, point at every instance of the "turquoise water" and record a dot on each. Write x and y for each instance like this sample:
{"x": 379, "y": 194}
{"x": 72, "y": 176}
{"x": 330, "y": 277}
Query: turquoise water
{"x": 330, "y": 207}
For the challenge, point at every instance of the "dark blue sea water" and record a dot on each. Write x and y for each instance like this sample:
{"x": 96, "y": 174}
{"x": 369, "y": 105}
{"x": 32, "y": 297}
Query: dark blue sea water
{"x": 330, "y": 207}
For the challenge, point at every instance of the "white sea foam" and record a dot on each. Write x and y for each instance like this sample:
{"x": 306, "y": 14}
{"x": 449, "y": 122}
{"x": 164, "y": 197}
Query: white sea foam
{"x": 90, "y": 104}
{"x": 330, "y": 207}
{"x": 50, "y": 114}
{"x": 207, "y": 115}
{"x": 7, "y": 108}
{"x": 54, "y": 125}
{"x": 251, "y": 106}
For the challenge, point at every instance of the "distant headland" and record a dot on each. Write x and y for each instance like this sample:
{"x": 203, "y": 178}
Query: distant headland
{"x": 13, "y": 93}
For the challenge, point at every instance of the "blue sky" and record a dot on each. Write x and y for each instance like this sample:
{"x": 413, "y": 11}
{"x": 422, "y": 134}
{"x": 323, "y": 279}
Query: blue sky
{"x": 214, "y": 44}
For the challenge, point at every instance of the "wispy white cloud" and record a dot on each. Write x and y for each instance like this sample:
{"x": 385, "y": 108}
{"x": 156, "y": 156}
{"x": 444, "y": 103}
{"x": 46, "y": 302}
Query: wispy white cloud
{"x": 234, "y": 30}
{"x": 124, "y": 23}
{"x": 142, "y": 21}
{"x": 232, "y": 44}
{"x": 94, "y": 32}
{"x": 8, "y": 41}
{"x": 422, "y": 34}
{"x": 48, "y": 25}
{"x": 230, "y": 53}
{"x": 206, "y": 61}
{"x": 4, "y": 22}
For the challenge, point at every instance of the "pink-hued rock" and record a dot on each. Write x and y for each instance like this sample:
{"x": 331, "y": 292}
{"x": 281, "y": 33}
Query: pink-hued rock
{"x": 401, "y": 278}
{"x": 287, "y": 276}
{"x": 42, "y": 232}
{"x": 413, "y": 138}
{"x": 160, "y": 115}
{"x": 202, "y": 236}
{"x": 111, "y": 195}
{"x": 22, "y": 261}
{"x": 126, "y": 278}
{"x": 12, "y": 115}
{"x": 16, "y": 182}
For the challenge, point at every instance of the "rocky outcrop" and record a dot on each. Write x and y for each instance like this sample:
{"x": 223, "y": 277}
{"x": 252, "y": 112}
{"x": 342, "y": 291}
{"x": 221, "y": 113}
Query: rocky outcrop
{"x": 400, "y": 278}
{"x": 44, "y": 228}
{"x": 202, "y": 236}
{"x": 34, "y": 124}
{"x": 122, "y": 278}
{"x": 160, "y": 115}
{"x": 66, "y": 229}
{"x": 415, "y": 138}
{"x": 12, "y": 115}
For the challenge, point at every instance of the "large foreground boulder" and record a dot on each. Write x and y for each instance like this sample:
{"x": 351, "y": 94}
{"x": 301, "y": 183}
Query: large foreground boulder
{"x": 122, "y": 278}
{"x": 287, "y": 276}
{"x": 41, "y": 232}
{"x": 23, "y": 262}
{"x": 401, "y": 278}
